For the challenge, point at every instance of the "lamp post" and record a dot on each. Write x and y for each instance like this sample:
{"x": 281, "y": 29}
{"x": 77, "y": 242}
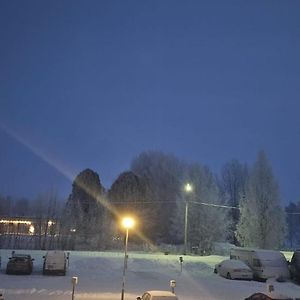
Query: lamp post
{"x": 127, "y": 223}
{"x": 188, "y": 189}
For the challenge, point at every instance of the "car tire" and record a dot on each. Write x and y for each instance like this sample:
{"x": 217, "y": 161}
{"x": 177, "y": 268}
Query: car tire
{"x": 228, "y": 276}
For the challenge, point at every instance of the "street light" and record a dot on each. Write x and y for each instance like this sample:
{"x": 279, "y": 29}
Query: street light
{"x": 188, "y": 188}
{"x": 127, "y": 223}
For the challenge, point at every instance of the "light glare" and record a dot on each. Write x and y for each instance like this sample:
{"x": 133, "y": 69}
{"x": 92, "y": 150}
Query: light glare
{"x": 128, "y": 222}
{"x": 188, "y": 188}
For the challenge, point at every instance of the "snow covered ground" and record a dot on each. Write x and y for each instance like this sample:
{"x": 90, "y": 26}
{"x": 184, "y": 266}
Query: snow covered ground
{"x": 100, "y": 277}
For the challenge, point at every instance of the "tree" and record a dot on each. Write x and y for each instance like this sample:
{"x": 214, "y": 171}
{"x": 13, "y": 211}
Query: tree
{"x": 262, "y": 222}
{"x": 44, "y": 208}
{"x": 293, "y": 224}
{"x": 163, "y": 176}
{"x": 207, "y": 223}
{"x": 84, "y": 212}
{"x": 127, "y": 197}
{"x": 232, "y": 187}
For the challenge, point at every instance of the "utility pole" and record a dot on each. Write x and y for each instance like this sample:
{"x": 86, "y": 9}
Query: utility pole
{"x": 188, "y": 189}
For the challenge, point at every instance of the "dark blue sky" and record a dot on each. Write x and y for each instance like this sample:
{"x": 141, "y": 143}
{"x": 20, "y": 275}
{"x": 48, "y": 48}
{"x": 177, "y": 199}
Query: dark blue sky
{"x": 94, "y": 83}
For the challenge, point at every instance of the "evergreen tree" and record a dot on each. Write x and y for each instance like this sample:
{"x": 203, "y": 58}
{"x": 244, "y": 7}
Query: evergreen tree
{"x": 232, "y": 187}
{"x": 127, "y": 197}
{"x": 262, "y": 222}
{"x": 84, "y": 213}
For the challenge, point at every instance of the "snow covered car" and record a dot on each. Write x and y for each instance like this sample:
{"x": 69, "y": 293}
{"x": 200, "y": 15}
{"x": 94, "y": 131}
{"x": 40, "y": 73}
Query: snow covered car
{"x": 55, "y": 263}
{"x": 233, "y": 269}
{"x": 264, "y": 264}
{"x": 272, "y": 296}
{"x": 158, "y": 295}
{"x": 20, "y": 264}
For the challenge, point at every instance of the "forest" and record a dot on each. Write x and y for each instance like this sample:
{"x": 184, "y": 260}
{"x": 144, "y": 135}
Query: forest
{"x": 240, "y": 205}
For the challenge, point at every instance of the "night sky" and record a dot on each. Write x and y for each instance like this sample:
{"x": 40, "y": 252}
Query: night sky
{"x": 91, "y": 84}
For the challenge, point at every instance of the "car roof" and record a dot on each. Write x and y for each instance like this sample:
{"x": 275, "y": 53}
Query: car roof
{"x": 235, "y": 262}
{"x": 275, "y": 295}
{"x": 161, "y": 293}
{"x": 55, "y": 253}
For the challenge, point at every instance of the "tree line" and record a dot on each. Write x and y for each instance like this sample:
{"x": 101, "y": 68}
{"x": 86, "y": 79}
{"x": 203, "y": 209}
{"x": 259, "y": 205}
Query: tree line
{"x": 241, "y": 205}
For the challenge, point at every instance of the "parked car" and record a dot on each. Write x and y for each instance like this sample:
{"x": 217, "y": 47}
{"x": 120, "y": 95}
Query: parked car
{"x": 295, "y": 266}
{"x": 55, "y": 263}
{"x": 263, "y": 263}
{"x": 272, "y": 296}
{"x": 233, "y": 269}
{"x": 20, "y": 264}
{"x": 158, "y": 295}
{"x": 1, "y": 295}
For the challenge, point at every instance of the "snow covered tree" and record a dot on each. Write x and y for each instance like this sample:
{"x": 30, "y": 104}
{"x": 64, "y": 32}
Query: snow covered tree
{"x": 262, "y": 221}
{"x": 206, "y": 223}
{"x": 232, "y": 187}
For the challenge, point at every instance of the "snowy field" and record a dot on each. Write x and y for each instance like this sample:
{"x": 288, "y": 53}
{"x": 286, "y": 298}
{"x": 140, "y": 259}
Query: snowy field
{"x": 100, "y": 277}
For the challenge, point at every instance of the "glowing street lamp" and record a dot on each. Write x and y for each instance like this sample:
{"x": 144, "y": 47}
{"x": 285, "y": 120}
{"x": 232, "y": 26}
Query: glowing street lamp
{"x": 188, "y": 188}
{"x": 127, "y": 223}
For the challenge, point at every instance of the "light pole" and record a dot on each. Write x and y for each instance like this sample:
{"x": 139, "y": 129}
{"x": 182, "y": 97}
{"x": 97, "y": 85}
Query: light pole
{"x": 188, "y": 189}
{"x": 127, "y": 223}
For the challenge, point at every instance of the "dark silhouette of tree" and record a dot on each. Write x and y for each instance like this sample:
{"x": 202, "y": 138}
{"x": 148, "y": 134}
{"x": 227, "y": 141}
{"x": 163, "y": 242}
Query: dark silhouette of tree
{"x": 127, "y": 196}
{"x": 163, "y": 175}
{"x": 84, "y": 212}
{"x": 293, "y": 224}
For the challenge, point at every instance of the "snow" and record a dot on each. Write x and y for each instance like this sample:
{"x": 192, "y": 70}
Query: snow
{"x": 100, "y": 277}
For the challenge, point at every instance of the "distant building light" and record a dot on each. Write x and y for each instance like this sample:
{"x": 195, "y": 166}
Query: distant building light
{"x": 31, "y": 229}
{"x": 15, "y": 222}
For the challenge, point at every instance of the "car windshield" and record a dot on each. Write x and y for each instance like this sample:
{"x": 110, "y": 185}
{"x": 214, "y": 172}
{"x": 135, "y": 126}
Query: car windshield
{"x": 235, "y": 264}
{"x": 18, "y": 259}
